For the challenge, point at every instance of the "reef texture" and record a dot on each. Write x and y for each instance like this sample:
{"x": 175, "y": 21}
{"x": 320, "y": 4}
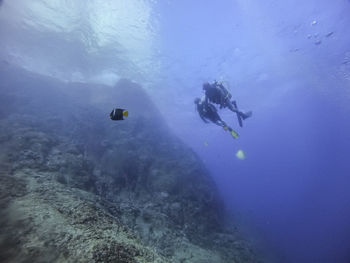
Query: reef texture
{"x": 77, "y": 187}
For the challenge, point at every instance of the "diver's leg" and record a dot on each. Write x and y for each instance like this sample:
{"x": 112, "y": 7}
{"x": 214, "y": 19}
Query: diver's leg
{"x": 220, "y": 123}
{"x": 246, "y": 114}
{"x": 230, "y": 105}
{"x": 243, "y": 115}
{"x": 232, "y": 131}
{"x": 223, "y": 124}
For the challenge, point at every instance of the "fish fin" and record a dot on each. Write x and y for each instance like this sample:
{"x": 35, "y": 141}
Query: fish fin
{"x": 125, "y": 113}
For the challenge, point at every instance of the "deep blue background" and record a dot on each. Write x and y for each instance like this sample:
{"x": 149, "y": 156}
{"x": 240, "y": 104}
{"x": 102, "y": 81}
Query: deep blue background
{"x": 291, "y": 195}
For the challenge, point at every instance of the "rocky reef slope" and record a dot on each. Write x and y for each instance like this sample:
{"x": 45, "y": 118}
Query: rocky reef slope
{"x": 77, "y": 187}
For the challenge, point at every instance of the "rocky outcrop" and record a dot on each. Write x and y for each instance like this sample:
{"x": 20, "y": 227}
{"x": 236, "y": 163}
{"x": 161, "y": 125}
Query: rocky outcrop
{"x": 77, "y": 187}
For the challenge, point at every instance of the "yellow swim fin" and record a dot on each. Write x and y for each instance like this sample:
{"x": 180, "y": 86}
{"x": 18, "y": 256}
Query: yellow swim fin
{"x": 234, "y": 134}
{"x": 125, "y": 113}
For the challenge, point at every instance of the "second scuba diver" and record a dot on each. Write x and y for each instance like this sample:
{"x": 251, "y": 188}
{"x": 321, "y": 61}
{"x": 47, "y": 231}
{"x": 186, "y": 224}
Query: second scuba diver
{"x": 207, "y": 111}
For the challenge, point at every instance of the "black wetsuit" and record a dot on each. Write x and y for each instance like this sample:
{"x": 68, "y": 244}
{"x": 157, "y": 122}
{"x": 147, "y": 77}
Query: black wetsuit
{"x": 207, "y": 112}
{"x": 218, "y": 94}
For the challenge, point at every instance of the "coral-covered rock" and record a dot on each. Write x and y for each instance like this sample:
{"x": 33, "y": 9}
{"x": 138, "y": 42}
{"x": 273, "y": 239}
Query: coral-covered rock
{"x": 77, "y": 187}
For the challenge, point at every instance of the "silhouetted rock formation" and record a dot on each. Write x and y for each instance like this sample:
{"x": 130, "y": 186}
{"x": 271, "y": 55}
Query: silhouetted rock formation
{"x": 77, "y": 187}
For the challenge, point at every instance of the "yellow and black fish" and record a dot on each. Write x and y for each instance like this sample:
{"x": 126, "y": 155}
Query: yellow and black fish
{"x": 118, "y": 114}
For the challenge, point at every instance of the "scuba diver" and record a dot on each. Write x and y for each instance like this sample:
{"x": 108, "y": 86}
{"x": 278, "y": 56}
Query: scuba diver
{"x": 207, "y": 111}
{"x": 218, "y": 94}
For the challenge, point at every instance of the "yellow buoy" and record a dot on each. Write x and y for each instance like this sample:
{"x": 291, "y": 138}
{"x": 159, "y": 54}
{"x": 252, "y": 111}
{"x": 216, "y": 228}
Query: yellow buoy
{"x": 240, "y": 155}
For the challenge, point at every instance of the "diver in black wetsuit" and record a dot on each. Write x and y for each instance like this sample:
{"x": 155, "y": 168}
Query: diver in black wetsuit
{"x": 207, "y": 111}
{"x": 217, "y": 93}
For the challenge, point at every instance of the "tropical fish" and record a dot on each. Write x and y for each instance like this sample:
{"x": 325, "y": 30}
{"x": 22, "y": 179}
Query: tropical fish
{"x": 118, "y": 114}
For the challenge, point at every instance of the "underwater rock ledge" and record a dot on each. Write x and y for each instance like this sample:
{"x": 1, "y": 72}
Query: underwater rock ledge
{"x": 76, "y": 187}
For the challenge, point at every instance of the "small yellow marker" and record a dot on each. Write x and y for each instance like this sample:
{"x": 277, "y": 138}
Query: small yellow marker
{"x": 234, "y": 134}
{"x": 240, "y": 155}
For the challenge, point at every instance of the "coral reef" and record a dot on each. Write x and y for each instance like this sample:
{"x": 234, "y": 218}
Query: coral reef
{"x": 77, "y": 187}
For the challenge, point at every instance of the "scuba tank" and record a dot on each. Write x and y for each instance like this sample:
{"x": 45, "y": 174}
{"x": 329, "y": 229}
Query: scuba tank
{"x": 226, "y": 93}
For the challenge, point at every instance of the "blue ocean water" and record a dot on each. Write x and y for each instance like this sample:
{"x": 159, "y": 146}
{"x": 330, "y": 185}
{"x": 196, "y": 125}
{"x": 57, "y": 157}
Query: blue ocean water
{"x": 287, "y": 61}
